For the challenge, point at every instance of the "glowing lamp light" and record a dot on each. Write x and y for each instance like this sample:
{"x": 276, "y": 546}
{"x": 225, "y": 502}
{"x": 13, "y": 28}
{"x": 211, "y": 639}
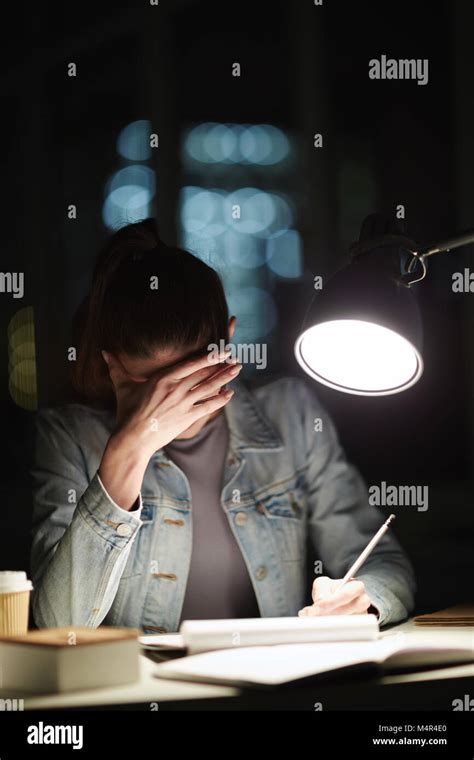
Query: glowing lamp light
{"x": 359, "y": 357}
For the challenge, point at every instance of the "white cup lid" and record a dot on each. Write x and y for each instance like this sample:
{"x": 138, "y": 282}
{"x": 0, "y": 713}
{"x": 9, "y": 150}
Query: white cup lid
{"x": 14, "y": 580}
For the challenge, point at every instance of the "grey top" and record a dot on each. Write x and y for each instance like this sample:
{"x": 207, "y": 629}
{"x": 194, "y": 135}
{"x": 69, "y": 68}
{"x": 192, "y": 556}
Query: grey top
{"x": 219, "y": 584}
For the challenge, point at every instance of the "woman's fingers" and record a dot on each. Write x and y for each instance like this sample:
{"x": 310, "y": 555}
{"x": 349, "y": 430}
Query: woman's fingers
{"x": 357, "y": 606}
{"x": 187, "y": 367}
{"x": 322, "y": 587}
{"x": 329, "y": 601}
{"x": 201, "y": 375}
{"x": 352, "y": 599}
{"x": 210, "y": 405}
{"x": 336, "y": 602}
{"x": 213, "y": 384}
{"x": 325, "y": 588}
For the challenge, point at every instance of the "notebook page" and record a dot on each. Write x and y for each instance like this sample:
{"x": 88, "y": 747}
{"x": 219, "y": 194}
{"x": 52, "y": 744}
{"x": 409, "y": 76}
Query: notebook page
{"x": 272, "y": 665}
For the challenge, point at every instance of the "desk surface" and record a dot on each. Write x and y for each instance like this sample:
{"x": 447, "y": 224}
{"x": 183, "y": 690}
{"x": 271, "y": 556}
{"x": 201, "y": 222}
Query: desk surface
{"x": 149, "y": 690}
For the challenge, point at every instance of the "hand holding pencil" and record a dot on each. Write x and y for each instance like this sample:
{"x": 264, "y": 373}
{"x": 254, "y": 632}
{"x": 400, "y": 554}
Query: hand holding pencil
{"x": 344, "y": 596}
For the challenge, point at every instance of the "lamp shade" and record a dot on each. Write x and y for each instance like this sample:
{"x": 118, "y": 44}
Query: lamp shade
{"x": 363, "y": 333}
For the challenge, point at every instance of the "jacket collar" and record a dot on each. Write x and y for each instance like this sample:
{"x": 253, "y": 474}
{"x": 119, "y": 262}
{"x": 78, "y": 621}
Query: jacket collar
{"x": 249, "y": 429}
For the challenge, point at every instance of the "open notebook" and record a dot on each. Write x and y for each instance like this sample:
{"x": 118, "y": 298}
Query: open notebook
{"x": 286, "y": 663}
{"x": 203, "y": 635}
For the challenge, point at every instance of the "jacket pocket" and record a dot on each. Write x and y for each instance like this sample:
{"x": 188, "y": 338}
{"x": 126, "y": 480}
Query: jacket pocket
{"x": 284, "y": 511}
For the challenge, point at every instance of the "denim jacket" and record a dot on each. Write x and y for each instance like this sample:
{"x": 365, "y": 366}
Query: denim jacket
{"x": 287, "y": 489}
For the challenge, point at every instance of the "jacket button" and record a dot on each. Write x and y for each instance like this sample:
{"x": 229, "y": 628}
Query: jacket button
{"x": 240, "y": 518}
{"x": 124, "y": 530}
{"x": 261, "y": 573}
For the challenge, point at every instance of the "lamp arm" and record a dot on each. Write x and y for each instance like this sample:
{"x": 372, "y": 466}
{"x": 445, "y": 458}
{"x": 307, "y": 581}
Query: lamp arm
{"x": 419, "y": 256}
{"x": 462, "y": 238}
{"x": 418, "y": 252}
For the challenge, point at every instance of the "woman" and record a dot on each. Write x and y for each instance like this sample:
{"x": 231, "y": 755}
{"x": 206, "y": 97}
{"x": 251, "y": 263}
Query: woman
{"x": 165, "y": 496}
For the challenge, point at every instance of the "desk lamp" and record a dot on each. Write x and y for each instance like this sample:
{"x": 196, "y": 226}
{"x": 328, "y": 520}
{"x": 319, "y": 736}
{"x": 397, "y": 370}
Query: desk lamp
{"x": 363, "y": 331}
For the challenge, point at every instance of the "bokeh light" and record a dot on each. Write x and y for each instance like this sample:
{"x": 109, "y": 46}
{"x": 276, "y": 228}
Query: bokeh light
{"x": 284, "y": 254}
{"x": 259, "y": 144}
{"x": 256, "y": 210}
{"x": 202, "y": 212}
{"x": 220, "y": 143}
{"x": 242, "y": 250}
{"x": 22, "y": 383}
{"x": 256, "y": 313}
{"x": 244, "y": 233}
{"x": 133, "y": 142}
{"x": 128, "y": 195}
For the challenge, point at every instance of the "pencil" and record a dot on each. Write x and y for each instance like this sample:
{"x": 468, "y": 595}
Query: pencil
{"x": 363, "y": 556}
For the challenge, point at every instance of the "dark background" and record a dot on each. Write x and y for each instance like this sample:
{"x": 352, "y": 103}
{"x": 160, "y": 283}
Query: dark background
{"x": 304, "y": 71}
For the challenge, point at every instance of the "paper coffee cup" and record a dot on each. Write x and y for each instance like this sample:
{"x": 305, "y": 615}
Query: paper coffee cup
{"x": 15, "y": 591}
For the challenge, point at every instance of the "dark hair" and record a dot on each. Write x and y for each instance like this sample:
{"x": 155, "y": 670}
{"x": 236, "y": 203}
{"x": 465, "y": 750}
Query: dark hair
{"x": 124, "y": 314}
